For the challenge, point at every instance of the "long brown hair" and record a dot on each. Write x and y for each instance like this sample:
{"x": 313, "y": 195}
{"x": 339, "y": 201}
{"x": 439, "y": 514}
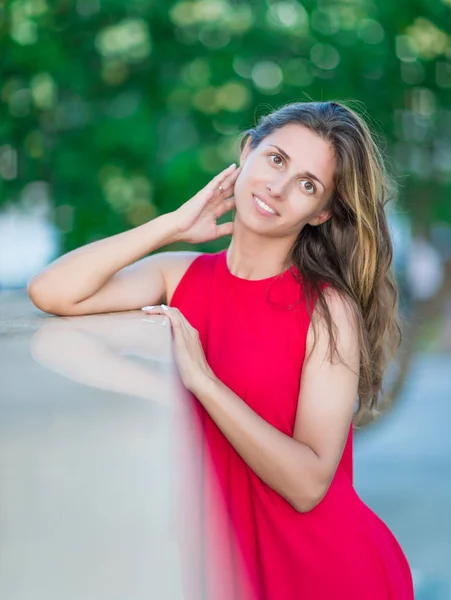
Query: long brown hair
{"x": 352, "y": 251}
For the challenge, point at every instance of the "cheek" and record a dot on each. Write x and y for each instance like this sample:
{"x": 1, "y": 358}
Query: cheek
{"x": 301, "y": 210}
{"x": 241, "y": 187}
{"x": 248, "y": 179}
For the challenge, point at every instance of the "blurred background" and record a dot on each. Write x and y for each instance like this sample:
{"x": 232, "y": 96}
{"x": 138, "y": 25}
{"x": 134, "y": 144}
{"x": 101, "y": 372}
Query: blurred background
{"x": 112, "y": 113}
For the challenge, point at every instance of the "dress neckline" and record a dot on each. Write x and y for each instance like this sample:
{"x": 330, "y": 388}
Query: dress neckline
{"x": 241, "y": 280}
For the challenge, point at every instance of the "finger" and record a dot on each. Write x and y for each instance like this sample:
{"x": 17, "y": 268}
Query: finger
{"x": 225, "y": 229}
{"x": 211, "y": 193}
{"x": 181, "y": 329}
{"x": 187, "y": 336}
{"x": 170, "y": 318}
{"x": 185, "y": 328}
{"x": 221, "y": 177}
{"x": 225, "y": 200}
{"x": 230, "y": 179}
{"x": 174, "y": 315}
{"x": 174, "y": 311}
{"x": 228, "y": 184}
{"x": 159, "y": 309}
{"x": 179, "y": 320}
{"x": 153, "y": 310}
{"x": 225, "y": 190}
{"x": 225, "y": 206}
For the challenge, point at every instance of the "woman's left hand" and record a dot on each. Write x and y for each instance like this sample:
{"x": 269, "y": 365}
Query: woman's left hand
{"x": 189, "y": 354}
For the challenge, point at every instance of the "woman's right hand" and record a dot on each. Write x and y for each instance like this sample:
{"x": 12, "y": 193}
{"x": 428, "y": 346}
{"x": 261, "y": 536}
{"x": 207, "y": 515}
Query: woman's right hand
{"x": 196, "y": 218}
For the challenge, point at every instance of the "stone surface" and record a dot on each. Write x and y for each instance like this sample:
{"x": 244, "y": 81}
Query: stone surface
{"x": 86, "y": 468}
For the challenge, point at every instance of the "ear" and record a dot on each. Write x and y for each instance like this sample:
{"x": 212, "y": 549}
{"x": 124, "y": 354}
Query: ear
{"x": 321, "y": 218}
{"x": 245, "y": 151}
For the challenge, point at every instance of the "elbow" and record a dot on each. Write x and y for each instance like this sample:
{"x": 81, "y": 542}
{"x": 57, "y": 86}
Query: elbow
{"x": 36, "y": 295}
{"x": 307, "y": 500}
{"x": 306, "y": 505}
{"x": 40, "y": 297}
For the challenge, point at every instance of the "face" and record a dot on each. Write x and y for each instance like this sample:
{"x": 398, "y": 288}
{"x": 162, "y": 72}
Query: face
{"x": 286, "y": 182}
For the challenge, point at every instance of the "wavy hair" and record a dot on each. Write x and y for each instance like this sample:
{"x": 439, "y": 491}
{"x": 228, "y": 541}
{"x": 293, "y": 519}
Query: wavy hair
{"x": 352, "y": 251}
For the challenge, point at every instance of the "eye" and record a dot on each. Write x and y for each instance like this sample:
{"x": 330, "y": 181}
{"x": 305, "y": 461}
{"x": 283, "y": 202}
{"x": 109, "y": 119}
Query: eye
{"x": 276, "y": 156}
{"x": 311, "y": 189}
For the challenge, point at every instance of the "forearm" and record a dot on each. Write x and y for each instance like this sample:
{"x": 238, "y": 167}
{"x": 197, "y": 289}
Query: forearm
{"x": 82, "y": 272}
{"x": 289, "y": 467}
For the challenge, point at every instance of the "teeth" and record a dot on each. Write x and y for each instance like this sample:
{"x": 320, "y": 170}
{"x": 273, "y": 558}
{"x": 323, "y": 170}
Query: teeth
{"x": 264, "y": 206}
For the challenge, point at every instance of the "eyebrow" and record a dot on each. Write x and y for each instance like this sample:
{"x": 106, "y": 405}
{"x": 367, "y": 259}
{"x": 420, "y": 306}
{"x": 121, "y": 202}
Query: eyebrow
{"x": 311, "y": 175}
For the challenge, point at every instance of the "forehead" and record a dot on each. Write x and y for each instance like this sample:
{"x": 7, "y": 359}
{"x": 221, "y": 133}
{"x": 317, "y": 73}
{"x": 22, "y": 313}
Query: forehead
{"x": 307, "y": 150}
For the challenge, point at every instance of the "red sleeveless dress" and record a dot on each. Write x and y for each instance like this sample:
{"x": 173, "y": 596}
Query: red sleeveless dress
{"x": 245, "y": 541}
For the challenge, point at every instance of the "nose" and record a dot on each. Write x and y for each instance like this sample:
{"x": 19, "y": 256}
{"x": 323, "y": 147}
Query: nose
{"x": 277, "y": 187}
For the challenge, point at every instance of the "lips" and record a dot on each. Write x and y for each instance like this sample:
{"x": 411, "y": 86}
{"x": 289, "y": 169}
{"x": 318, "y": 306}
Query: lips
{"x": 263, "y": 199}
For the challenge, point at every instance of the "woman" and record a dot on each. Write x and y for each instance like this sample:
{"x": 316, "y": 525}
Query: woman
{"x": 275, "y": 338}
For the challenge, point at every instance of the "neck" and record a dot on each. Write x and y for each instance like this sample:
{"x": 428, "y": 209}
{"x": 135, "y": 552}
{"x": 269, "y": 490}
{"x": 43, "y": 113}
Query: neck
{"x": 253, "y": 256}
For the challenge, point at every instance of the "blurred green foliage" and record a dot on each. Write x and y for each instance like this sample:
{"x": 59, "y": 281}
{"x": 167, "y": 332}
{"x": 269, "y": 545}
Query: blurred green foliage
{"x": 117, "y": 111}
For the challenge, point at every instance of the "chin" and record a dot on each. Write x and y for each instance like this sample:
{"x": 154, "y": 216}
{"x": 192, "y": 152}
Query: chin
{"x": 248, "y": 222}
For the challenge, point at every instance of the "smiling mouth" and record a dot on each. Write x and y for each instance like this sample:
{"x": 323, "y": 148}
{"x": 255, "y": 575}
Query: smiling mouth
{"x": 264, "y": 207}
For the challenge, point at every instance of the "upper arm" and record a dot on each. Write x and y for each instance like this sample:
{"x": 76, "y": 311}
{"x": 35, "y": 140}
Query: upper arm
{"x": 145, "y": 282}
{"x": 328, "y": 391}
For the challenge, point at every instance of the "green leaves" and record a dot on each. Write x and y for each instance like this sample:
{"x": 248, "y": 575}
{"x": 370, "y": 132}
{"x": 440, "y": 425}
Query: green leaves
{"x": 126, "y": 109}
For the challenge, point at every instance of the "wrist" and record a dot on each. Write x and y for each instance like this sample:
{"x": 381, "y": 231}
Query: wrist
{"x": 168, "y": 228}
{"x": 204, "y": 384}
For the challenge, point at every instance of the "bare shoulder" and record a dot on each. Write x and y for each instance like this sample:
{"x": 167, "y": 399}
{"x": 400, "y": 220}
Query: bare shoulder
{"x": 344, "y": 322}
{"x": 173, "y": 266}
{"x": 341, "y": 309}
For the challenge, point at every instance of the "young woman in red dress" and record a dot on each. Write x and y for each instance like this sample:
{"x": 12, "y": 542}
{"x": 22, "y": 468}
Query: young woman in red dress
{"x": 278, "y": 339}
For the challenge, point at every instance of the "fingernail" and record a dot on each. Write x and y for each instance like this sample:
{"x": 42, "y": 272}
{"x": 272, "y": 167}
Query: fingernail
{"x": 148, "y": 307}
{"x": 149, "y": 320}
{"x": 232, "y": 165}
{"x": 164, "y": 307}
